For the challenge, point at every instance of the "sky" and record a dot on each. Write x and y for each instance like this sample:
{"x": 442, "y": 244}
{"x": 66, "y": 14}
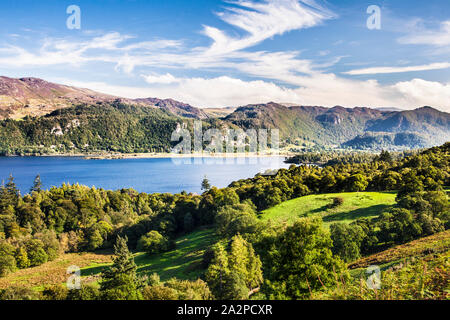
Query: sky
{"x": 213, "y": 53}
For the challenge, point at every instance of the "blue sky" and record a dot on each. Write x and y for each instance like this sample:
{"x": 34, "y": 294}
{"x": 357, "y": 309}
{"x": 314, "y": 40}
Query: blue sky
{"x": 212, "y": 53}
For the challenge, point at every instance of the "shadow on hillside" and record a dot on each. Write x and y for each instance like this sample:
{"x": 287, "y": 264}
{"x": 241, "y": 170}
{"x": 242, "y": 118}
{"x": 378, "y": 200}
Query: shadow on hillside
{"x": 91, "y": 271}
{"x": 323, "y": 208}
{"x": 358, "y": 213}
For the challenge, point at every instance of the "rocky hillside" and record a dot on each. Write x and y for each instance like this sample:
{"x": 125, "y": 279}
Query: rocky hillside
{"x": 174, "y": 107}
{"x": 36, "y": 97}
{"x": 356, "y": 127}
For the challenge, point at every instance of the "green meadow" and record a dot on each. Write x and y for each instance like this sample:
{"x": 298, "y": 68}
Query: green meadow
{"x": 356, "y": 205}
{"x": 184, "y": 262}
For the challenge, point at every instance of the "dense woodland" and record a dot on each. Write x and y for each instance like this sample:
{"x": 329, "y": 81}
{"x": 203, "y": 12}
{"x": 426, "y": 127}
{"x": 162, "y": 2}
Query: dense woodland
{"x": 88, "y": 128}
{"x": 252, "y": 259}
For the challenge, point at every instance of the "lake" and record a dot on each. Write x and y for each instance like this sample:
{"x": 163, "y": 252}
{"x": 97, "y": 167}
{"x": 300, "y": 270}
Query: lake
{"x": 152, "y": 175}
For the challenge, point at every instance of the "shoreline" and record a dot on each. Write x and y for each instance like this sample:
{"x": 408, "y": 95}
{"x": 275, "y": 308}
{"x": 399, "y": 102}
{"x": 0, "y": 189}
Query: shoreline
{"x": 117, "y": 156}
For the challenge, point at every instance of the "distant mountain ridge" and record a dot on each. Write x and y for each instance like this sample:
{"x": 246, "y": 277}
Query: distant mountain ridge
{"x": 338, "y": 125}
{"x": 359, "y": 127}
{"x": 37, "y": 97}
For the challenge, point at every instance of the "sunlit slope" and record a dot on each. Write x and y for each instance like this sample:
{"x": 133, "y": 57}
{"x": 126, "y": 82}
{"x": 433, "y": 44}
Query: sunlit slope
{"x": 355, "y": 205}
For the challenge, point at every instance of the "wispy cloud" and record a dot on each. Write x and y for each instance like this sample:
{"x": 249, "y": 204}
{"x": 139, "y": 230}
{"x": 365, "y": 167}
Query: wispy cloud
{"x": 263, "y": 20}
{"x": 271, "y": 75}
{"x": 385, "y": 70}
{"x": 110, "y": 47}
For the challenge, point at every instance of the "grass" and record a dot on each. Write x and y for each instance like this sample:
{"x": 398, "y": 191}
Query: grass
{"x": 184, "y": 262}
{"x": 434, "y": 244}
{"x": 52, "y": 272}
{"x": 356, "y": 205}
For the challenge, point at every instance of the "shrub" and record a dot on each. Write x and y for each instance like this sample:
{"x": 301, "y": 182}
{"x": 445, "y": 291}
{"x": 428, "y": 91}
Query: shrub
{"x": 153, "y": 242}
{"x": 159, "y": 292}
{"x": 18, "y": 293}
{"x": 55, "y": 292}
{"x": 337, "y": 202}
{"x": 87, "y": 292}
{"x": 7, "y": 260}
{"x": 36, "y": 252}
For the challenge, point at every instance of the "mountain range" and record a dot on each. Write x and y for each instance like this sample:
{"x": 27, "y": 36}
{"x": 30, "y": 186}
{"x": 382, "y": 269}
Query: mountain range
{"x": 305, "y": 126}
{"x": 36, "y": 97}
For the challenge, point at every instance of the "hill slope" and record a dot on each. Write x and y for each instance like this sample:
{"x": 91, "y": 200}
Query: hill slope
{"x": 356, "y": 205}
{"x": 358, "y": 128}
{"x": 36, "y": 97}
{"x": 106, "y": 127}
{"x": 422, "y": 127}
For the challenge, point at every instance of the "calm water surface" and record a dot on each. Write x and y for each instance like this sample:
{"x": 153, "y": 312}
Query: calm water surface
{"x": 144, "y": 175}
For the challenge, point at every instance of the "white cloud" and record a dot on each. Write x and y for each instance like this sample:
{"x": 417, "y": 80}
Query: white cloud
{"x": 263, "y": 20}
{"x": 438, "y": 38}
{"x": 161, "y": 79}
{"x": 109, "y": 47}
{"x": 320, "y": 89}
{"x": 259, "y": 20}
{"x": 304, "y": 82}
{"x": 427, "y": 93}
{"x": 381, "y": 70}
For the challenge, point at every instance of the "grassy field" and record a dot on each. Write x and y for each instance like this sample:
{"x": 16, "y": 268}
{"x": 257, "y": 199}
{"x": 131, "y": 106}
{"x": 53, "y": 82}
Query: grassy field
{"x": 52, "y": 272}
{"x": 184, "y": 262}
{"x": 356, "y": 205}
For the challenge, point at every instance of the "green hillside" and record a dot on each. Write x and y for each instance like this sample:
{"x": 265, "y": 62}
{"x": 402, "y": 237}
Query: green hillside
{"x": 184, "y": 262}
{"x": 90, "y": 128}
{"x": 337, "y": 125}
{"x": 126, "y": 128}
{"x": 355, "y": 205}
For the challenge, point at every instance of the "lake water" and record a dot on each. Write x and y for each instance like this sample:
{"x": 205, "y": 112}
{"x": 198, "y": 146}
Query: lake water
{"x": 154, "y": 175}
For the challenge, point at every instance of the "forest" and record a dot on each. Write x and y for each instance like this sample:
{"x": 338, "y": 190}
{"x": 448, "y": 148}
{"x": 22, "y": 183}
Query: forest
{"x": 252, "y": 258}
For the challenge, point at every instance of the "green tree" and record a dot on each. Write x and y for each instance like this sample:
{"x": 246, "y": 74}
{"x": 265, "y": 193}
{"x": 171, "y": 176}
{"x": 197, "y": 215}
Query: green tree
{"x": 206, "y": 186}
{"x": 357, "y": 182}
{"x": 347, "y": 240}
{"x": 9, "y": 194}
{"x": 385, "y": 156}
{"x": 7, "y": 261}
{"x": 120, "y": 281}
{"x": 36, "y": 253}
{"x": 188, "y": 222}
{"x": 239, "y": 218}
{"x": 234, "y": 273}
{"x": 22, "y": 258}
{"x": 302, "y": 262}
{"x": 95, "y": 239}
{"x": 37, "y": 184}
{"x": 153, "y": 242}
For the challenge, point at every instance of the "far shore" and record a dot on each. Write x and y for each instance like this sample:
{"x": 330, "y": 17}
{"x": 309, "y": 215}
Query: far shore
{"x": 102, "y": 156}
